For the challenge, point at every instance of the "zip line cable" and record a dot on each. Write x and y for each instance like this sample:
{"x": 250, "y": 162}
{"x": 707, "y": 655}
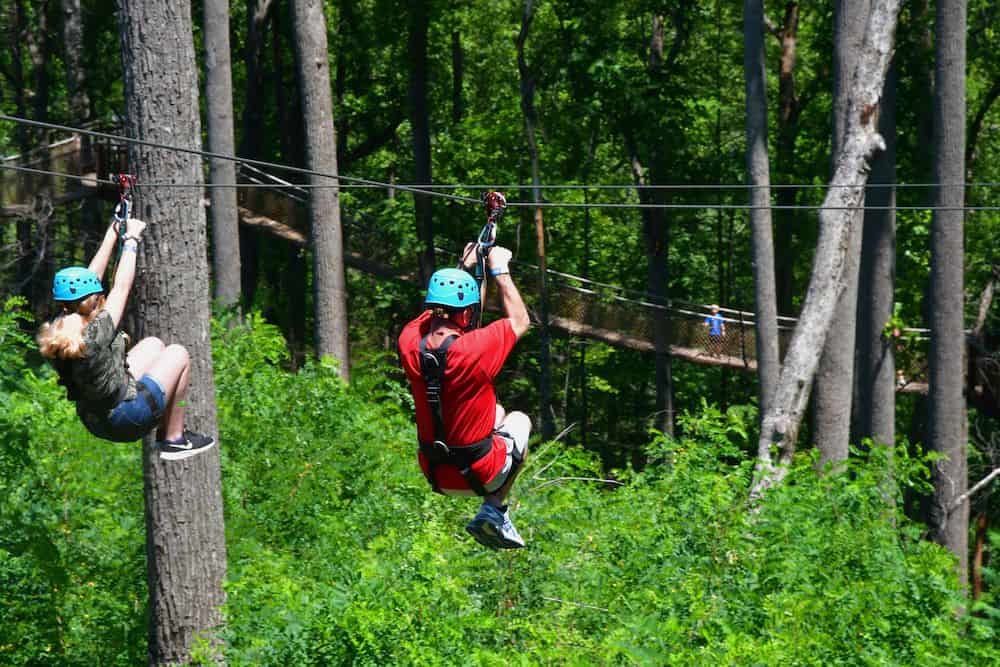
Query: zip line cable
{"x": 515, "y": 204}
{"x": 231, "y": 158}
{"x": 643, "y": 301}
{"x": 353, "y": 182}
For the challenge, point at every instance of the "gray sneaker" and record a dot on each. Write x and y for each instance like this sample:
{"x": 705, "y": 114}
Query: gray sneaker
{"x": 493, "y": 528}
{"x": 191, "y": 443}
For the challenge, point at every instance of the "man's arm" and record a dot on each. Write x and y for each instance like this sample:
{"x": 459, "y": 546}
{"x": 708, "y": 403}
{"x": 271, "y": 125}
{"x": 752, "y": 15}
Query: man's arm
{"x": 513, "y": 304}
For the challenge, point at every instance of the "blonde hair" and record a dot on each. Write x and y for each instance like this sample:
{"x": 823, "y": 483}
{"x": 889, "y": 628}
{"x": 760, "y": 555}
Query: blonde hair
{"x": 62, "y": 338}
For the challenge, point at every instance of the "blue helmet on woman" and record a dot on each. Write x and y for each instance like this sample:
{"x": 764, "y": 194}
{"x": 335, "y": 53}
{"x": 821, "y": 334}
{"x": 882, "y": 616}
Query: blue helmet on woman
{"x": 452, "y": 288}
{"x": 75, "y": 283}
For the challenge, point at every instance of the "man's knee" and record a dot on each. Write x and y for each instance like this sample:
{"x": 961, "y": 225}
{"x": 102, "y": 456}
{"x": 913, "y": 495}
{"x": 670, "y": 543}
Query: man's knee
{"x": 177, "y": 354}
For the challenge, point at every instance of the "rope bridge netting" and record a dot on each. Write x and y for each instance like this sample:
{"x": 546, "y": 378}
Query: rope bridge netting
{"x": 577, "y": 306}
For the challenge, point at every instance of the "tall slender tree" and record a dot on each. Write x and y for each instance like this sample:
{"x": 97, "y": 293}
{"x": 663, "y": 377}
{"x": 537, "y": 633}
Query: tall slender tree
{"x": 530, "y": 120}
{"x": 219, "y": 111}
{"x": 876, "y": 400}
{"x": 834, "y": 391}
{"x": 947, "y": 428}
{"x": 759, "y": 176}
{"x": 312, "y": 62}
{"x": 421, "y": 126}
{"x": 185, "y": 536}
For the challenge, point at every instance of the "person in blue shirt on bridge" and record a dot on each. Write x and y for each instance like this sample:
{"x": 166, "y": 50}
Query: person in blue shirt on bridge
{"x": 716, "y": 326}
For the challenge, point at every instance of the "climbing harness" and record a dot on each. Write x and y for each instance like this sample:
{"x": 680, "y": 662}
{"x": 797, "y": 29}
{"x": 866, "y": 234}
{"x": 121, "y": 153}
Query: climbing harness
{"x": 432, "y": 365}
{"x": 123, "y": 209}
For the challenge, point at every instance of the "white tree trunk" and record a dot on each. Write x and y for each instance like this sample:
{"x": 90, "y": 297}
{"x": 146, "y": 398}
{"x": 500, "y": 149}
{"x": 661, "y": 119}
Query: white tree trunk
{"x": 837, "y": 220}
{"x": 835, "y": 375}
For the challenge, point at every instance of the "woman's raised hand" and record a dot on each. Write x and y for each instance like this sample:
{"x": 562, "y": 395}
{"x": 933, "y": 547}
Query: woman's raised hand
{"x": 134, "y": 227}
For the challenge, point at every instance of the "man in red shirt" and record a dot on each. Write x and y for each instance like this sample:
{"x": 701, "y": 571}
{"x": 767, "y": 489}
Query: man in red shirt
{"x": 468, "y": 444}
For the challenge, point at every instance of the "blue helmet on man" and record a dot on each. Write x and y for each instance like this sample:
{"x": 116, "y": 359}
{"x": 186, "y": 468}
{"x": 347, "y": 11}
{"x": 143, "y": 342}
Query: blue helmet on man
{"x": 452, "y": 288}
{"x": 74, "y": 283}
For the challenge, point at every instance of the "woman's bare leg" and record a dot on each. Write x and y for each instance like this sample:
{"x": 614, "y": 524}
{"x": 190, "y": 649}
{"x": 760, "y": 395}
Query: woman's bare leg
{"x": 172, "y": 370}
{"x": 500, "y": 416}
{"x": 142, "y": 355}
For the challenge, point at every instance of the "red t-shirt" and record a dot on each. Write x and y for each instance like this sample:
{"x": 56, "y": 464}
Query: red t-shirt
{"x": 468, "y": 400}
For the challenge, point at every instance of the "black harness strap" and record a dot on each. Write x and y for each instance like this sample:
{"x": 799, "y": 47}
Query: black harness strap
{"x": 432, "y": 364}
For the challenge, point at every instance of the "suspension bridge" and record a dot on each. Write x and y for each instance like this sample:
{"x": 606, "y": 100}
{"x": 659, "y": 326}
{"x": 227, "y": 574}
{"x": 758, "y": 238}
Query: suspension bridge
{"x": 69, "y": 169}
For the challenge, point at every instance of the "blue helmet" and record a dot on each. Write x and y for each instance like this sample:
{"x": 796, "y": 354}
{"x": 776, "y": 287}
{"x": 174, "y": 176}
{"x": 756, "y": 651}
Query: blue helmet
{"x": 453, "y": 288}
{"x": 74, "y": 283}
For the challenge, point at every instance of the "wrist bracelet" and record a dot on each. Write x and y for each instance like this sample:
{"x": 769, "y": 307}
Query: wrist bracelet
{"x": 130, "y": 247}
{"x": 499, "y": 272}
{"x": 132, "y": 238}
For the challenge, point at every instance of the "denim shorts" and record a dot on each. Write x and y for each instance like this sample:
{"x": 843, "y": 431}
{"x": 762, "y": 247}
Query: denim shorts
{"x": 131, "y": 420}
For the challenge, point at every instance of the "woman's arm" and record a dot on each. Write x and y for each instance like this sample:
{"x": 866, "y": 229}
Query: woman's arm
{"x": 103, "y": 255}
{"x": 125, "y": 273}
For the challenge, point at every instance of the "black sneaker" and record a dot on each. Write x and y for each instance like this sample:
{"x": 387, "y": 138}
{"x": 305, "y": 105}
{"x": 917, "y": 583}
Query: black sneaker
{"x": 191, "y": 443}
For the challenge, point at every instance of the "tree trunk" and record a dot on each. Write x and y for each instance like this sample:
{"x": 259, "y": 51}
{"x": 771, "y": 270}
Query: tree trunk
{"x": 836, "y": 222}
{"x": 185, "y": 536}
{"x": 835, "y": 375}
{"x": 76, "y": 74}
{"x": 528, "y": 109}
{"x": 420, "y": 120}
{"x": 759, "y": 176}
{"x": 947, "y": 433}
{"x": 309, "y": 26}
{"x": 257, "y": 12}
{"x": 789, "y": 110}
{"x": 219, "y": 111}
{"x": 876, "y": 404}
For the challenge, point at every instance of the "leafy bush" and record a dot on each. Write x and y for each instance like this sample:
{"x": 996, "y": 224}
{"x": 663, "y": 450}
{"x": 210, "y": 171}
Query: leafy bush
{"x": 339, "y": 553}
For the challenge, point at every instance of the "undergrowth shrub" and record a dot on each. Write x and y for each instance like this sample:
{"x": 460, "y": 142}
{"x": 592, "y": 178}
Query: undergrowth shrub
{"x": 340, "y": 554}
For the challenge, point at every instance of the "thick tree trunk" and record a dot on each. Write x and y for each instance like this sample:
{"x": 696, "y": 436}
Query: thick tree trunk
{"x": 835, "y": 375}
{"x": 420, "y": 121}
{"x": 185, "y": 536}
{"x": 219, "y": 111}
{"x": 528, "y": 109}
{"x": 309, "y": 25}
{"x": 781, "y": 424}
{"x": 876, "y": 401}
{"x": 947, "y": 424}
{"x": 759, "y": 176}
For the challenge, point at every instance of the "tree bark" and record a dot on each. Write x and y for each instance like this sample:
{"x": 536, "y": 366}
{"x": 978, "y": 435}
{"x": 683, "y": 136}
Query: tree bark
{"x": 835, "y": 375}
{"x": 420, "y": 121}
{"x": 185, "y": 536}
{"x": 759, "y": 176}
{"x": 219, "y": 111}
{"x": 528, "y": 109}
{"x": 789, "y": 110}
{"x": 947, "y": 432}
{"x": 324, "y": 210}
{"x": 781, "y": 424}
{"x": 876, "y": 400}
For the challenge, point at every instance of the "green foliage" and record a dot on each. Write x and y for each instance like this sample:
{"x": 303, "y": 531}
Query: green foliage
{"x": 339, "y": 553}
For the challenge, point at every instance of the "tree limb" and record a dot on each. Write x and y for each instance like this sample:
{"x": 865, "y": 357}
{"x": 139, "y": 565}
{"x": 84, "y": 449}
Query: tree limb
{"x": 957, "y": 502}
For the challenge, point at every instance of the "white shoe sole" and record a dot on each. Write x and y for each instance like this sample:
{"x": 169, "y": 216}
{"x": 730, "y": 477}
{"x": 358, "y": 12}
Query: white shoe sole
{"x": 185, "y": 453}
